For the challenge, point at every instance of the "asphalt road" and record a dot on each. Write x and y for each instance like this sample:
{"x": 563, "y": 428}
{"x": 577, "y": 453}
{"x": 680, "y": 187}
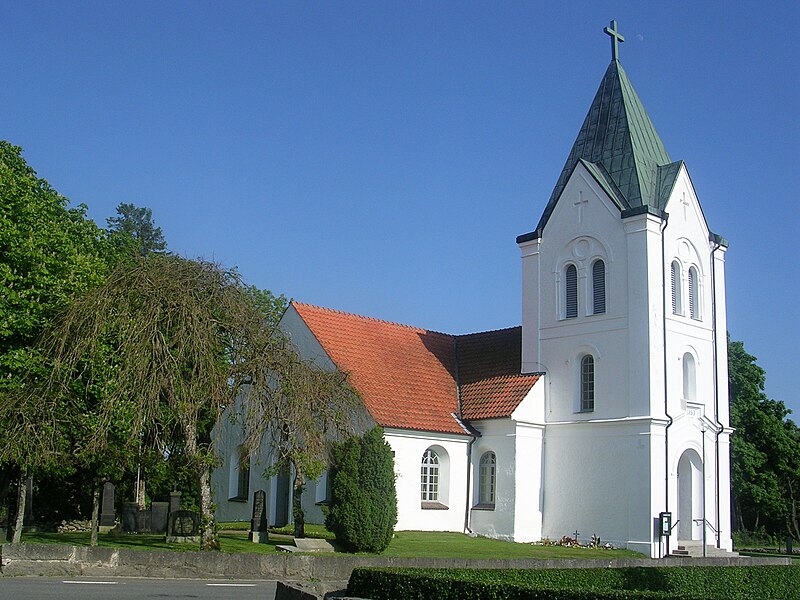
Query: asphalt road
{"x": 87, "y": 588}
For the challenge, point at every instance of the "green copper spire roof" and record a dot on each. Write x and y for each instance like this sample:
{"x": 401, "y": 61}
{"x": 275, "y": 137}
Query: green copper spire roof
{"x": 618, "y": 139}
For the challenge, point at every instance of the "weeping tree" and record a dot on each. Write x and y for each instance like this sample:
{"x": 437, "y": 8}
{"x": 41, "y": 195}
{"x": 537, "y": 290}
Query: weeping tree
{"x": 299, "y": 409}
{"x": 158, "y": 351}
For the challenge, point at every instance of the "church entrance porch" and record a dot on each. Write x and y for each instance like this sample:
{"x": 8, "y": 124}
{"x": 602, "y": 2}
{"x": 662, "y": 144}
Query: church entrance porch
{"x": 690, "y": 497}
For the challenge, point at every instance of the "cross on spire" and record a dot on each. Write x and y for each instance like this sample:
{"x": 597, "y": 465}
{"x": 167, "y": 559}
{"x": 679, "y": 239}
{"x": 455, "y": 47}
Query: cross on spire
{"x": 615, "y": 39}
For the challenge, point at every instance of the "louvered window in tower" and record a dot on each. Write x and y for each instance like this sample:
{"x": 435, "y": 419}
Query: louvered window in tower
{"x": 676, "y": 288}
{"x": 694, "y": 311}
{"x": 599, "y": 287}
{"x": 571, "y": 288}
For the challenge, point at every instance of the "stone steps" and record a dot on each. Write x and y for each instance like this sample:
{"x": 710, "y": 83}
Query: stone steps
{"x": 695, "y": 550}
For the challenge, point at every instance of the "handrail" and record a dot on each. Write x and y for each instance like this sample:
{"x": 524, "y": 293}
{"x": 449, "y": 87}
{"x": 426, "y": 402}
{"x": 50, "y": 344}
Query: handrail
{"x": 707, "y": 523}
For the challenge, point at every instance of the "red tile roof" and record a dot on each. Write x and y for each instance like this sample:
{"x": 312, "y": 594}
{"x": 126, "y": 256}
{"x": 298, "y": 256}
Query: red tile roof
{"x": 407, "y": 376}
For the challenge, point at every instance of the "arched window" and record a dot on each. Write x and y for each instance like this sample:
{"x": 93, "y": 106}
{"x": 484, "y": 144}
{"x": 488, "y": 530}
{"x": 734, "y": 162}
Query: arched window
{"x": 571, "y": 292}
{"x": 587, "y": 383}
{"x": 689, "y": 377}
{"x": 239, "y": 478}
{"x": 694, "y": 299}
{"x": 429, "y": 478}
{"x": 677, "y": 306}
{"x": 487, "y": 479}
{"x": 598, "y": 287}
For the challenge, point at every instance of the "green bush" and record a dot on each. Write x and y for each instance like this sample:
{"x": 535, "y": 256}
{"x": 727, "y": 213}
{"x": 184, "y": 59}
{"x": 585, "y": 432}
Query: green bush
{"x": 363, "y": 508}
{"x": 756, "y": 539}
{"x": 723, "y": 583}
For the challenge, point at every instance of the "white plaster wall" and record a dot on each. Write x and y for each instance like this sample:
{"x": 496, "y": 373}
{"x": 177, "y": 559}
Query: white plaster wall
{"x": 532, "y": 407}
{"x": 498, "y": 436}
{"x": 555, "y": 344}
{"x": 408, "y": 447}
{"x": 596, "y": 481}
{"x": 529, "y": 498}
{"x": 227, "y": 436}
{"x": 687, "y": 241}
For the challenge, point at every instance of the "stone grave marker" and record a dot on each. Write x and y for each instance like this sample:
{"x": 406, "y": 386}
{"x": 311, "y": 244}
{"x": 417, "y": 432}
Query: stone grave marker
{"x": 259, "y": 527}
{"x": 107, "y": 516}
{"x": 159, "y": 512}
{"x": 184, "y": 527}
{"x": 130, "y": 511}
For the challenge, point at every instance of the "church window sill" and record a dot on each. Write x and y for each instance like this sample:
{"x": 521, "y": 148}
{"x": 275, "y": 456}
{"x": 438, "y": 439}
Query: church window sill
{"x": 483, "y": 506}
{"x": 237, "y": 499}
{"x": 434, "y": 506}
{"x": 325, "y": 502}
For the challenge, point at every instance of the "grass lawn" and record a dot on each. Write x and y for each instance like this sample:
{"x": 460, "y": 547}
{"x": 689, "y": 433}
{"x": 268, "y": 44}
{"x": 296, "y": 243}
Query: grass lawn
{"x": 457, "y": 545}
{"x": 405, "y": 544}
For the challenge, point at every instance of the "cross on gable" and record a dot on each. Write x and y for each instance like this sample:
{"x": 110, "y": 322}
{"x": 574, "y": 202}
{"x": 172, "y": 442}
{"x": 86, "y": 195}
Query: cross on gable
{"x": 579, "y": 204}
{"x": 615, "y": 39}
{"x": 685, "y": 203}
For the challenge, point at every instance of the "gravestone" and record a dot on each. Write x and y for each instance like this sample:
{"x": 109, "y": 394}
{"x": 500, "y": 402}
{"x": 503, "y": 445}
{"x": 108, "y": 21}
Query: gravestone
{"x": 159, "y": 512}
{"x": 143, "y": 519}
{"x": 107, "y": 516}
{"x": 130, "y": 512}
{"x": 259, "y": 527}
{"x": 184, "y": 527}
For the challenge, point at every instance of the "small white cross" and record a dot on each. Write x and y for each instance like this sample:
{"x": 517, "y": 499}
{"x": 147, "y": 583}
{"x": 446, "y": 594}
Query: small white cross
{"x": 685, "y": 203}
{"x": 579, "y": 203}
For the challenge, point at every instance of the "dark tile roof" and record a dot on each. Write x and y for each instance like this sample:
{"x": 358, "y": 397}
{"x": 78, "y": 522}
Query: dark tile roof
{"x": 618, "y": 138}
{"x": 489, "y": 373}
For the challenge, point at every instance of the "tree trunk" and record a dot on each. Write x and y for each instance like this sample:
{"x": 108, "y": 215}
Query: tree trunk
{"x": 199, "y": 462}
{"x": 297, "y": 504}
{"x": 208, "y": 533}
{"x": 793, "y": 520}
{"x": 95, "y": 513}
{"x": 22, "y": 489}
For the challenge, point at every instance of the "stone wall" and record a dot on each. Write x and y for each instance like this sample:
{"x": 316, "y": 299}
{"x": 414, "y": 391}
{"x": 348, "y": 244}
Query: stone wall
{"x": 56, "y": 560}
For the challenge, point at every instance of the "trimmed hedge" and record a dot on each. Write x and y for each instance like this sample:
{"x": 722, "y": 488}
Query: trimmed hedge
{"x": 723, "y": 583}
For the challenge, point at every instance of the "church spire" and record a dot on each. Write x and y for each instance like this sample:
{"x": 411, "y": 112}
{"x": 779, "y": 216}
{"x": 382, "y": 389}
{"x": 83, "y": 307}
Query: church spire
{"x": 619, "y": 144}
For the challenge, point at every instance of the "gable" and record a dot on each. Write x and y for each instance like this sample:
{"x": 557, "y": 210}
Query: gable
{"x": 405, "y": 375}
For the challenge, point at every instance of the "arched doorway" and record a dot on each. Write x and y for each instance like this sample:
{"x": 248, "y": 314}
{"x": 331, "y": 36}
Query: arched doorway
{"x": 690, "y": 496}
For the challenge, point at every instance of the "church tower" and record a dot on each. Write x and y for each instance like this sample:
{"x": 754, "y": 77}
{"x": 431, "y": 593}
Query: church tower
{"x": 624, "y": 312}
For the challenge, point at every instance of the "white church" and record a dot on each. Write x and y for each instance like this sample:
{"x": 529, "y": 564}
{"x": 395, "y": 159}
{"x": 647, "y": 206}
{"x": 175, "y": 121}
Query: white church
{"x": 605, "y": 413}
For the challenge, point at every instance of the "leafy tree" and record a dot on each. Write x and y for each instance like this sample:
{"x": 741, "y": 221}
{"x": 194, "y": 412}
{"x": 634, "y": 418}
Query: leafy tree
{"x": 765, "y": 456}
{"x": 48, "y": 253}
{"x": 135, "y": 224}
{"x": 364, "y": 500}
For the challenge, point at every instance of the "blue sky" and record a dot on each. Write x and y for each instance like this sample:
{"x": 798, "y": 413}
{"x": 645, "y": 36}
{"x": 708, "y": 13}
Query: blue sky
{"x": 381, "y": 158}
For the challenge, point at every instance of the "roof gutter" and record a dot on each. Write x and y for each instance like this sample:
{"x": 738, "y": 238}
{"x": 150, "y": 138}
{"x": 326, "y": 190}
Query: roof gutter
{"x": 666, "y": 397}
{"x": 473, "y": 436}
{"x": 718, "y": 428}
